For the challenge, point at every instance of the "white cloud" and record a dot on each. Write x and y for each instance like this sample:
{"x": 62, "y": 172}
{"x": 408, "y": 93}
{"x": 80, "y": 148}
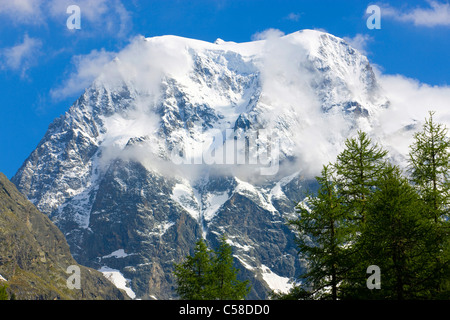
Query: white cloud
{"x": 410, "y": 102}
{"x": 293, "y": 16}
{"x": 125, "y": 21}
{"x": 23, "y": 11}
{"x": 414, "y": 99}
{"x": 102, "y": 16}
{"x": 267, "y": 34}
{"x": 144, "y": 74}
{"x": 87, "y": 68}
{"x": 21, "y": 56}
{"x": 359, "y": 42}
{"x": 438, "y": 14}
{"x": 98, "y": 17}
{"x": 285, "y": 81}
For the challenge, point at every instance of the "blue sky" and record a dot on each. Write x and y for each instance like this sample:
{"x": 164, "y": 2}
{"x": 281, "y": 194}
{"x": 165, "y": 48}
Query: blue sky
{"x": 44, "y": 66}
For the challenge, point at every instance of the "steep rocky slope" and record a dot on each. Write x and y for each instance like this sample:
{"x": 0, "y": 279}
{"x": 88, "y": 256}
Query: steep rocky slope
{"x": 34, "y": 255}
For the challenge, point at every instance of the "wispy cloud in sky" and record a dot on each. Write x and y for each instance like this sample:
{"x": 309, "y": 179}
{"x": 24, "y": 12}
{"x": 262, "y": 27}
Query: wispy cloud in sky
{"x": 266, "y": 34}
{"x": 437, "y": 14}
{"x": 101, "y": 16}
{"x": 87, "y": 68}
{"x": 359, "y": 42}
{"x": 22, "y": 56}
{"x": 293, "y": 16}
{"x": 410, "y": 102}
{"x": 23, "y": 11}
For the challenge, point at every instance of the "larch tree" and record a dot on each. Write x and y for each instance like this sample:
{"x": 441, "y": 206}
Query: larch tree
{"x": 321, "y": 237}
{"x": 429, "y": 168}
{"x": 399, "y": 239}
{"x": 210, "y": 275}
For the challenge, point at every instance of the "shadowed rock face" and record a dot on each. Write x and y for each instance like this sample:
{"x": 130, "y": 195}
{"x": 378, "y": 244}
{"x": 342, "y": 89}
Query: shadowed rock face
{"x": 34, "y": 254}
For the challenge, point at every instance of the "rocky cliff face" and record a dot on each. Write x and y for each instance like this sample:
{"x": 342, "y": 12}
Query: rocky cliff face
{"x": 34, "y": 255}
{"x": 180, "y": 138}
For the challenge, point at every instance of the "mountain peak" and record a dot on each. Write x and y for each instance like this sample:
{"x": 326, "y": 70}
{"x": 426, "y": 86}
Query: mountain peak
{"x": 180, "y": 138}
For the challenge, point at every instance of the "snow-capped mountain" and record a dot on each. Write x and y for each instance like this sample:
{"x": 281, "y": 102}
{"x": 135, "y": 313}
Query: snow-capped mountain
{"x": 180, "y": 138}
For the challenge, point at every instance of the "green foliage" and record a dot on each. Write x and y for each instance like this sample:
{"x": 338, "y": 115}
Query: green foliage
{"x": 210, "y": 275}
{"x": 399, "y": 239}
{"x": 195, "y": 275}
{"x": 429, "y": 163}
{"x": 323, "y": 233}
{"x": 3, "y": 292}
{"x": 358, "y": 167}
{"x": 227, "y": 287}
{"x": 366, "y": 212}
